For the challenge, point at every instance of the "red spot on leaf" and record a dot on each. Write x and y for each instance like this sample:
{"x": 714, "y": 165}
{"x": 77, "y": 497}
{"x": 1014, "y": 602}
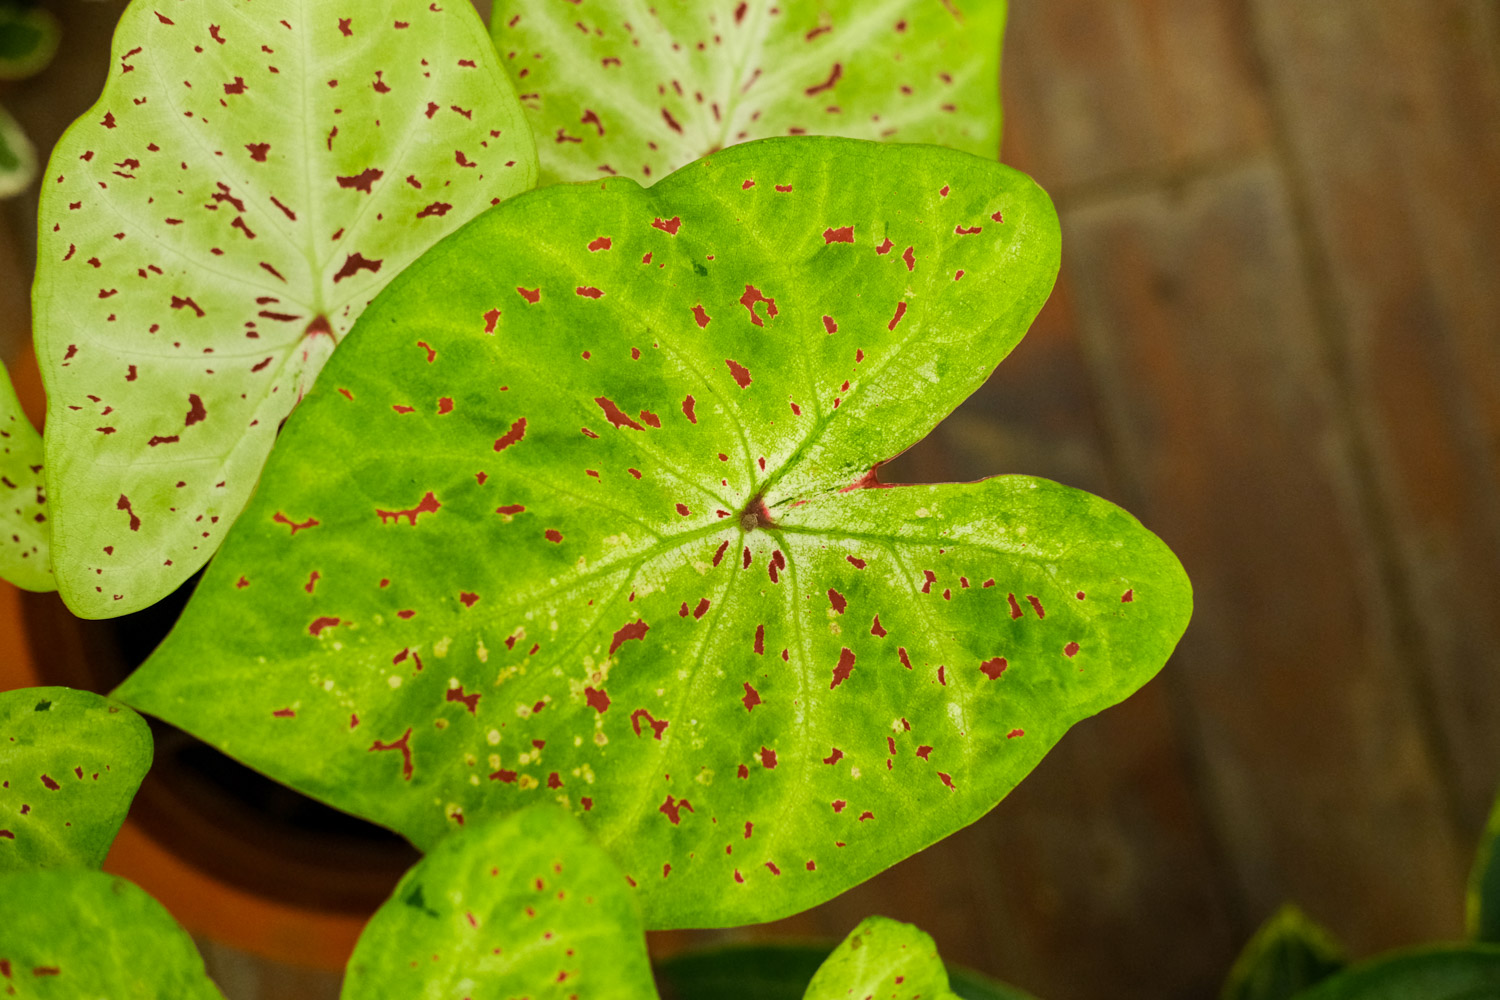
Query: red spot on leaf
{"x": 751, "y": 698}
{"x": 833, "y": 78}
{"x": 553, "y": 535}
{"x": 900, "y": 311}
{"x": 426, "y": 505}
{"x": 669, "y": 227}
{"x": 516, "y": 433}
{"x": 1071, "y": 649}
{"x": 361, "y": 181}
{"x": 344, "y": 26}
{"x": 355, "y": 263}
{"x": 1015, "y": 609}
{"x": 319, "y": 624}
{"x": 1036, "y": 606}
{"x": 750, "y": 298}
{"x": 961, "y": 231}
{"x": 186, "y": 303}
{"x": 701, "y": 317}
{"x": 404, "y": 745}
{"x": 633, "y": 630}
{"x": 258, "y": 150}
{"x": 844, "y": 669}
{"x": 672, "y": 809}
{"x": 597, "y": 699}
{"x": 993, "y": 668}
{"x": 767, "y": 758}
{"x": 602, "y": 243}
{"x": 877, "y": 629}
{"x": 740, "y": 373}
{"x": 837, "y": 601}
{"x": 1014, "y": 733}
{"x": 1127, "y": 597}
{"x": 469, "y": 701}
{"x": 830, "y": 325}
{"x": 905, "y": 660}
{"x": 657, "y": 727}
{"x": 445, "y": 405}
{"x": 467, "y": 598}
{"x": 844, "y": 234}
{"x": 588, "y": 292}
{"x": 510, "y": 509}
{"x": 682, "y": 510}
{"x": 437, "y": 208}
{"x": 687, "y": 411}
{"x": 615, "y": 415}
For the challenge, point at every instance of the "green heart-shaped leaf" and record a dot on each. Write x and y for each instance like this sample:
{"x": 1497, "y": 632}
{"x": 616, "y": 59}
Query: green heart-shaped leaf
{"x": 1436, "y": 972}
{"x": 1483, "y": 897}
{"x": 577, "y": 527}
{"x": 641, "y": 90}
{"x": 28, "y": 40}
{"x": 526, "y": 906}
{"x": 70, "y": 763}
{"x": 782, "y": 972}
{"x": 25, "y": 555}
{"x": 17, "y": 157}
{"x": 885, "y": 958}
{"x": 1288, "y": 954}
{"x": 81, "y": 935}
{"x": 253, "y": 174}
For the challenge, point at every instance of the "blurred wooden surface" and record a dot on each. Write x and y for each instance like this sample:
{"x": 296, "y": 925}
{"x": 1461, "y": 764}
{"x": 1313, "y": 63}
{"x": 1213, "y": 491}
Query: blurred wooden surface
{"x": 1276, "y": 339}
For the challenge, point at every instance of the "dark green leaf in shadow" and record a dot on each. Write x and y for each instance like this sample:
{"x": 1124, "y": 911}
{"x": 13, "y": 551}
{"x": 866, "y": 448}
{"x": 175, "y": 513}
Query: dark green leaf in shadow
{"x": 1287, "y": 954}
{"x": 28, "y": 40}
{"x": 1483, "y": 897}
{"x": 584, "y": 524}
{"x": 1438, "y": 972}
{"x": 86, "y": 935}
{"x": 521, "y": 906}
{"x": 70, "y": 763}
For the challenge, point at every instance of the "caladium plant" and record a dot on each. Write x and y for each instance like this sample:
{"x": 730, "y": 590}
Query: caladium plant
{"x": 70, "y": 763}
{"x": 575, "y": 566}
{"x": 640, "y": 90}
{"x": 601, "y": 525}
{"x": 251, "y": 177}
{"x": 25, "y": 548}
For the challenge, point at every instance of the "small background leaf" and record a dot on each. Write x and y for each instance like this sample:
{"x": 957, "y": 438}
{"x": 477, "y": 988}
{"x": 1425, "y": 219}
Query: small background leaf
{"x": 1440, "y": 972}
{"x": 29, "y": 37}
{"x": 1483, "y": 898}
{"x": 81, "y": 935}
{"x": 885, "y": 958}
{"x": 252, "y": 175}
{"x": 70, "y": 763}
{"x": 1288, "y": 954}
{"x": 781, "y": 972}
{"x": 17, "y": 157}
{"x": 25, "y": 552}
{"x": 641, "y": 90}
{"x": 554, "y": 581}
{"x": 526, "y": 905}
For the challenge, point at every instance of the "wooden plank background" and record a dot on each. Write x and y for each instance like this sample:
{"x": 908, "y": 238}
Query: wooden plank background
{"x": 1276, "y": 339}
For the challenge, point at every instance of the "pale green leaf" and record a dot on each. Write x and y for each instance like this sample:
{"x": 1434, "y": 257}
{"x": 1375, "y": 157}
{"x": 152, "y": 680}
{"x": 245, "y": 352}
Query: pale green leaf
{"x": 524, "y": 906}
{"x": 17, "y": 157}
{"x": 25, "y": 557}
{"x": 70, "y": 763}
{"x": 253, "y": 174}
{"x": 640, "y": 89}
{"x": 574, "y": 527}
{"x": 1288, "y": 954}
{"x": 1435, "y": 972}
{"x": 84, "y": 935}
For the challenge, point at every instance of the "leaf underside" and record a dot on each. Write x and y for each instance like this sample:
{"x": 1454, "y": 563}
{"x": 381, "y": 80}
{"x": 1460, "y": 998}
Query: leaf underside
{"x": 251, "y": 177}
{"x": 70, "y": 762}
{"x": 25, "y": 557}
{"x": 71, "y": 935}
{"x": 574, "y": 528}
{"x": 1288, "y": 954}
{"x": 640, "y": 90}
{"x": 525, "y": 905}
{"x": 1439, "y": 972}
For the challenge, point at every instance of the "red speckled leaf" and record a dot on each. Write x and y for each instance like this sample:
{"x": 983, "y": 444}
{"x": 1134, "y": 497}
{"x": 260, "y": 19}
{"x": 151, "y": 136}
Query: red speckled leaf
{"x": 86, "y": 935}
{"x": 524, "y": 906}
{"x": 25, "y": 557}
{"x": 640, "y": 90}
{"x": 632, "y": 570}
{"x": 253, "y": 174}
